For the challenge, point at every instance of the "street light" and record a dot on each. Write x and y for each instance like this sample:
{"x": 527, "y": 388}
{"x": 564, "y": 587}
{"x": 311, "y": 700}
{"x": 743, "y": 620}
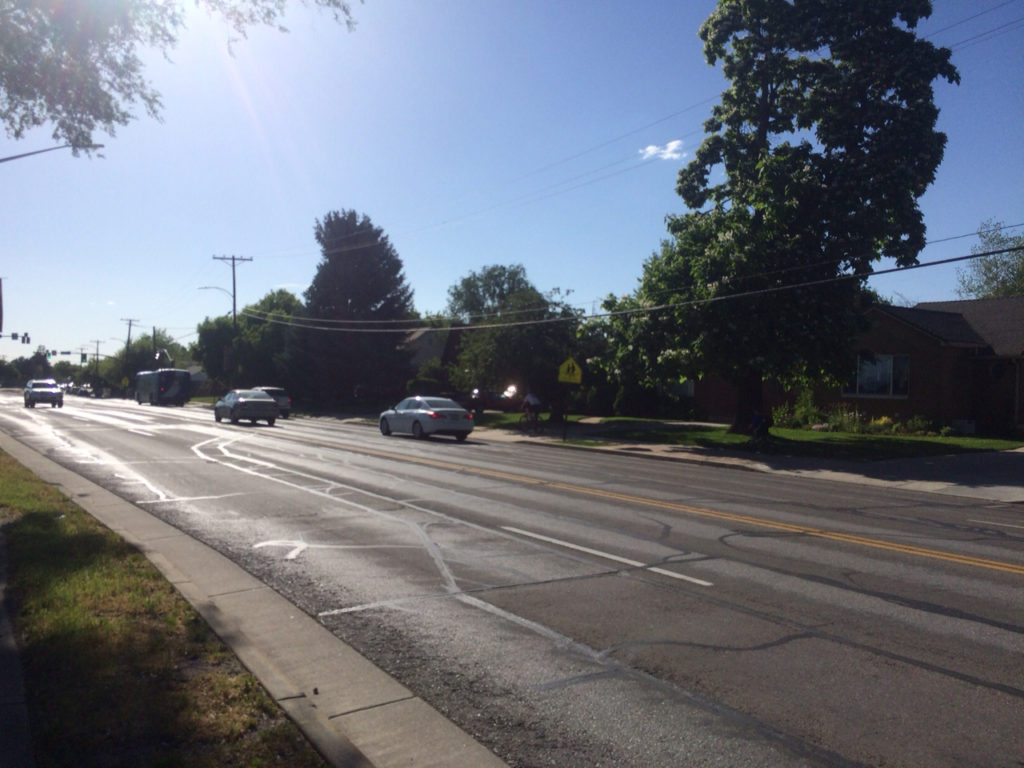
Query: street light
{"x": 234, "y": 317}
{"x": 51, "y": 149}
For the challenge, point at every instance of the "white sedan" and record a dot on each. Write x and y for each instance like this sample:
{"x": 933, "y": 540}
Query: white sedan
{"x": 425, "y": 416}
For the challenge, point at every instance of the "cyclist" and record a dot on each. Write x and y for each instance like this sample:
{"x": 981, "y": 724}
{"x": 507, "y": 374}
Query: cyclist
{"x": 531, "y": 407}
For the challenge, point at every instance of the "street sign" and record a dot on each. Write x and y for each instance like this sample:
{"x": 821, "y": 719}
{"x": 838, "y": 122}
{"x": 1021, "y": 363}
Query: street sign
{"x": 569, "y": 372}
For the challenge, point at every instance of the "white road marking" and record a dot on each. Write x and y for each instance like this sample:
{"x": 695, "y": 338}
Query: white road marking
{"x": 992, "y": 522}
{"x": 607, "y": 556}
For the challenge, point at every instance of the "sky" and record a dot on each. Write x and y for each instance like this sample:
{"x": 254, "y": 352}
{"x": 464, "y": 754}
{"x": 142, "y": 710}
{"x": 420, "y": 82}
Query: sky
{"x": 472, "y": 132}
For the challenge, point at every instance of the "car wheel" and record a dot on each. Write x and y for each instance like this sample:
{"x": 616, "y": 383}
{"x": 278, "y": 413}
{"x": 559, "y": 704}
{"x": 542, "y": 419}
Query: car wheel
{"x": 270, "y": 422}
{"x": 234, "y": 418}
{"x": 417, "y": 431}
{"x": 216, "y": 417}
{"x": 461, "y": 437}
{"x": 385, "y": 428}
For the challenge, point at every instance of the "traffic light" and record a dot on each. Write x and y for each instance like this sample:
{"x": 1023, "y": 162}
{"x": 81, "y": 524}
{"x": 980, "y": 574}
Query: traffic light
{"x": 14, "y": 337}
{"x": 25, "y": 339}
{"x": 48, "y": 353}
{"x": 85, "y": 358}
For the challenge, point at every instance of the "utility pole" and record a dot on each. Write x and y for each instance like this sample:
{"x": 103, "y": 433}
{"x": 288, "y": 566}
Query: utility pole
{"x": 129, "y": 320}
{"x": 233, "y": 260}
{"x": 97, "y": 343}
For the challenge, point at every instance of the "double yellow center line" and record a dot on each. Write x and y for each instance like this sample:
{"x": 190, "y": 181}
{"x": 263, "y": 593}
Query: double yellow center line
{"x": 776, "y": 525}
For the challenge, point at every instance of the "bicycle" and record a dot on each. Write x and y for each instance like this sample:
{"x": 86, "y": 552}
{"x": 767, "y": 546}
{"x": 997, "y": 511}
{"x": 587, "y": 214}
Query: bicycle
{"x": 529, "y": 423}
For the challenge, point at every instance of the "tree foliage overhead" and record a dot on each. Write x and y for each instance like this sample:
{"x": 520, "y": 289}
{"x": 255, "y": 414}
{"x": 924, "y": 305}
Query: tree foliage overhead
{"x": 76, "y": 65}
{"x": 998, "y": 275}
{"x": 812, "y": 168}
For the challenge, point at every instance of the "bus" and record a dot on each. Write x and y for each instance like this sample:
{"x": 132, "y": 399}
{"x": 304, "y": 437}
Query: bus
{"x": 166, "y": 386}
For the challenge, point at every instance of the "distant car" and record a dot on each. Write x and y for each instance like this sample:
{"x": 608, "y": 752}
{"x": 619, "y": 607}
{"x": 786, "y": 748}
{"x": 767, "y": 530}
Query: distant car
{"x": 480, "y": 400}
{"x": 43, "y": 391}
{"x": 250, "y": 404}
{"x": 425, "y": 416}
{"x": 284, "y": 403}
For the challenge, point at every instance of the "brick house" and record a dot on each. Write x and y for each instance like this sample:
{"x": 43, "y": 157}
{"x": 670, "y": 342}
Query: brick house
{"x": 957, "y": 363}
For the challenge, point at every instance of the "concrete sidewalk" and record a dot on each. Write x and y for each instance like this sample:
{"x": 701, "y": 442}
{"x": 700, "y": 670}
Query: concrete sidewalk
{"x": 353, "y": 712}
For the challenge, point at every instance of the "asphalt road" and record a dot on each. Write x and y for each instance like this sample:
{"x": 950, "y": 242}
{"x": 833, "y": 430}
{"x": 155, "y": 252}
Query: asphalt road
{"x": 578, "y": 609}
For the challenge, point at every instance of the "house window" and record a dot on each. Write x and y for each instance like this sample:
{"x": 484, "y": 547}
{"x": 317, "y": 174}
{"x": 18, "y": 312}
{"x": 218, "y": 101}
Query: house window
{"x": 881, "y": 376}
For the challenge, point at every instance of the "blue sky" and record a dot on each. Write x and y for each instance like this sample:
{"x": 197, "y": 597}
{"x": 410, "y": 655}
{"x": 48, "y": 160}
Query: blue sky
{"x": 473, "y": 132}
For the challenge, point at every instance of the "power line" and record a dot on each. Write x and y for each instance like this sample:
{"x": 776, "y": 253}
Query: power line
{"x": 313, "y": 326}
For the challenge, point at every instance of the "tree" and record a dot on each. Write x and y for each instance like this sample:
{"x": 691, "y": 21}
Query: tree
{"x": 351, "y": 340}
{"x": 147, "y": 352}
{"x": 260, "y": 350}
{"x": 998, "y": 275}
{"x": 266, "y": 344}
{"x": 481, "y": 294}
{"x": 524, "y": 337}
{"x": 819, "y": 151}
{"x": 76, "y": 65}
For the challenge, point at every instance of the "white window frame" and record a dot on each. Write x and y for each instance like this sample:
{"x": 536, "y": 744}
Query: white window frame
{"x": 880, "y": 376}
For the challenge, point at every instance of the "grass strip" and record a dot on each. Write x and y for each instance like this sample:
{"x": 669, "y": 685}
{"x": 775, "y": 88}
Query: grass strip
{"x": 838, "y": 446}
{"x": 119, "y": 669}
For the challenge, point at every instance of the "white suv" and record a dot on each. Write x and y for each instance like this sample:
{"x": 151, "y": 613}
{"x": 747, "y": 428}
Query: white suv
{"x": 43, "y": 391}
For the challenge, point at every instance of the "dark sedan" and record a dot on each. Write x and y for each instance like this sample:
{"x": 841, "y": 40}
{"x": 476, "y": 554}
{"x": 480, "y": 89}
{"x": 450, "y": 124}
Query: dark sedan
{"x": 251, "y": 404}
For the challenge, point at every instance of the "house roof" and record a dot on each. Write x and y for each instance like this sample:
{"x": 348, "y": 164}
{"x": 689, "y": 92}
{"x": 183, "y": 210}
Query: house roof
{"x": 947, "y": 327}
{"x": 1000, "y": 322}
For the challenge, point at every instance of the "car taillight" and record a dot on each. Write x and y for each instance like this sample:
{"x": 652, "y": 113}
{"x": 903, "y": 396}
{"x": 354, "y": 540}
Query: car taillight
{"x": 469, "y": 416}
{"x": 435, "y": 415}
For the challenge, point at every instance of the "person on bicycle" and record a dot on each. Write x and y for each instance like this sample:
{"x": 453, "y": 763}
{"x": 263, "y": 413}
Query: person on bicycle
{"x": 531, "y": 406}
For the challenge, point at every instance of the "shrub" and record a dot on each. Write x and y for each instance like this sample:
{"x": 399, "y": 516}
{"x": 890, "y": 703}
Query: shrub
{"x": 882, "y": 425}
{"x": 782, "y": 416}
{"x": 843, "y": 419}
{"x": 805, "y": 412}
{"x": 919, "y": 425}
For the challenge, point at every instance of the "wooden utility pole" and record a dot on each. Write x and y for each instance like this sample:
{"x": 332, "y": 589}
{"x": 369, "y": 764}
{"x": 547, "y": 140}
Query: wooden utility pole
{"x": 233, "y": 260}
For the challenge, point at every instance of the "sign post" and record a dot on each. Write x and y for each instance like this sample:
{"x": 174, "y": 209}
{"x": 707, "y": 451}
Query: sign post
{"x": 569, "y": 373}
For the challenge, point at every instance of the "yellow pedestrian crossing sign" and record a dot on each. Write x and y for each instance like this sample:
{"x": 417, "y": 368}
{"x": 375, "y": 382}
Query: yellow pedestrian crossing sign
{"x": 569, "y": 372}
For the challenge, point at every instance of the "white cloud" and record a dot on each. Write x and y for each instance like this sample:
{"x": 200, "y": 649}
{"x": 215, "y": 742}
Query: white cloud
{"x": 671, "y": 151}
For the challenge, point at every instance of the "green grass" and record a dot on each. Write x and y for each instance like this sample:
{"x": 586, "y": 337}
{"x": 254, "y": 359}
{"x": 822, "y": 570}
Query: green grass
{"x": 119, "y": 669}
{"x": 791, "y": 442}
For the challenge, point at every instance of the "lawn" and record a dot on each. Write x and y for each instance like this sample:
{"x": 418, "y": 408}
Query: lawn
{"x": 119, "y": 669}
{"x": 791, "y": 442}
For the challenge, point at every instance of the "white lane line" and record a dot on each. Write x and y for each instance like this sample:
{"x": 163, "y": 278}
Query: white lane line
{"x": 992, "y": 522}
{"x": 606, "y": 556}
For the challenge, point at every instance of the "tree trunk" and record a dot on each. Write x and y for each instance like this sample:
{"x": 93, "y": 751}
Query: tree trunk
{"x": 749, "y": 402}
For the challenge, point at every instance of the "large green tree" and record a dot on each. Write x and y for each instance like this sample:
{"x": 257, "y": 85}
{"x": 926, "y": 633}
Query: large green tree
{"x": 259, "y": 350}
{"x": 482, "y": 294}
{"x": 76, "y": 65}
{"x": 998, "y": 274}
{"x": 811, "y": 171}
{"x": 351, "y": 340}
{"x": 516, "y": 335}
